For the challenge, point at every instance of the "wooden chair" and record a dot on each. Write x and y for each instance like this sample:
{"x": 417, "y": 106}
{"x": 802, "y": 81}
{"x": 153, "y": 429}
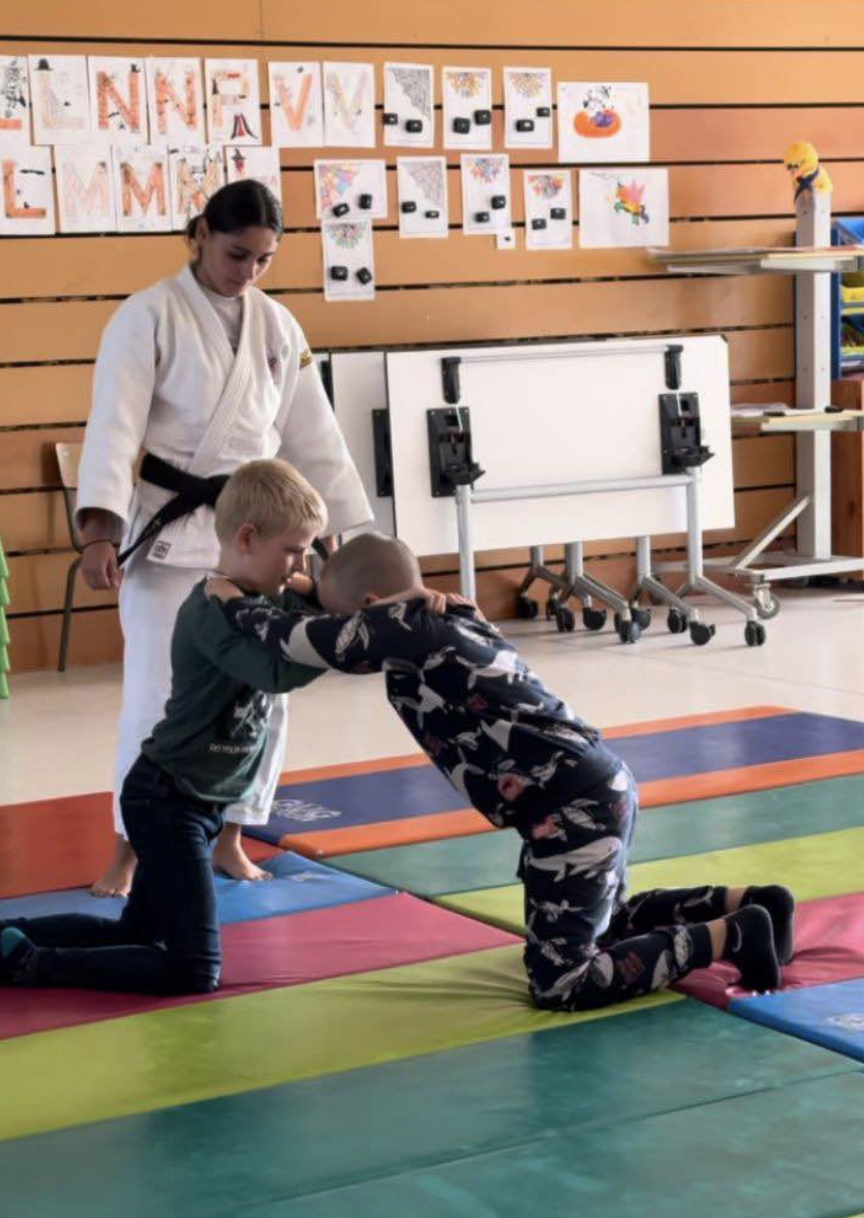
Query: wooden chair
{"x": 68, "y": 458}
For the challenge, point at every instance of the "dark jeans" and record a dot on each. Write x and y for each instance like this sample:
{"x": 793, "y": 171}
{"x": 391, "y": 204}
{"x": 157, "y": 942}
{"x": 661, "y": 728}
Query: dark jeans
{"x": 167, "y": 939}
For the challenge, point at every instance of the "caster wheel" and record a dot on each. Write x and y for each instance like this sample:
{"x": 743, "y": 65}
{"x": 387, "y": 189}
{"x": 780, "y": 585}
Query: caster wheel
{"x": 700, "y": 634}
{"x": 565, "y": 620}
{"x": 766, "y": 603}
{"x": 527, "y": 607}
{"x": 552, "y": 608}
{"x": 593, "y": 619}
{"x": 754, "y": 634}
{"x": 628, "y": 632}
{"x": 676, "y": 622}
{"x": 642, "y": 616}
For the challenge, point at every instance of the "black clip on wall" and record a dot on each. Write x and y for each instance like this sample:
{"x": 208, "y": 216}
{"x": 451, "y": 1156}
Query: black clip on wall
{"x": 451, "y": 462}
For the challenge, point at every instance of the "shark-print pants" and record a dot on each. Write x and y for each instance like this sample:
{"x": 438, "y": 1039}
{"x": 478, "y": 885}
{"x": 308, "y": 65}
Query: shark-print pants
{"x": 587, "y": 945}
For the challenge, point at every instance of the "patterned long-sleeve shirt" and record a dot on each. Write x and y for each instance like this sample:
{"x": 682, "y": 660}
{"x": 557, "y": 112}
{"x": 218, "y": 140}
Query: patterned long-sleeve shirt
{"x": 484, "y": 718}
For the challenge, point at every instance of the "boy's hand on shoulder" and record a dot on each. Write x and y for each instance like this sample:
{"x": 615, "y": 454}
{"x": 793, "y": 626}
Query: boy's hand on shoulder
{"x": 221, "y": 588}
{"x": 457, "y": 600}
{"x": 434, "y": 602}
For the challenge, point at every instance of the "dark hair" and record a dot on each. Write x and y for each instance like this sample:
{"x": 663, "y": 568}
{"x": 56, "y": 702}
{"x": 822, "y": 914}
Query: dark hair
{"x": 244, "y": 204}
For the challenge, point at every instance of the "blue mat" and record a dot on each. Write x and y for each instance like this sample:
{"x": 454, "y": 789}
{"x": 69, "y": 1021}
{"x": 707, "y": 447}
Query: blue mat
{"x": 386, "y": 795}
{"x": 827, "y": 1015}
{"x": 299, "y": 884}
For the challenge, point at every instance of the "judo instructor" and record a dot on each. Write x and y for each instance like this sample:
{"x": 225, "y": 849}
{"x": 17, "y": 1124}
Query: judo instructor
{"x": 203, "y": 372}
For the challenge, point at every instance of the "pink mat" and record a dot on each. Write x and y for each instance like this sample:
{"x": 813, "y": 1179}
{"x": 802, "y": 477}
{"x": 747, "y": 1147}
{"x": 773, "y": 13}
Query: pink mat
{"x": 829, "y": 946}
{"x": 274, "y": 952}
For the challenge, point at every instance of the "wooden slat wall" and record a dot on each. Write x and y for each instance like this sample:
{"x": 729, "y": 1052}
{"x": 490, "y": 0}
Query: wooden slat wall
{"x": 731, "y": 85}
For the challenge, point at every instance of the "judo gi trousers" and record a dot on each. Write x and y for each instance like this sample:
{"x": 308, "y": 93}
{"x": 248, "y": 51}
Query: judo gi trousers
{"x": 150, "y": 596}
{"x": 587, "y": 945}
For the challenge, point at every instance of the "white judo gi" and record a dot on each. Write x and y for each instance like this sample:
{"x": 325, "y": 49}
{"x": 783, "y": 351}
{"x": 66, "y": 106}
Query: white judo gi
{"x": 167, "y": 380}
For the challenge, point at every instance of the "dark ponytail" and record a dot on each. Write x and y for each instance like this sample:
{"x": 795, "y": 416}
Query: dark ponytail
{"x": 244, "y": 204}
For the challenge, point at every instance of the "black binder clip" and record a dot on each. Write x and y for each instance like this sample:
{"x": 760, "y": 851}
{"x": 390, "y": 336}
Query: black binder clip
{"x": 414, "y": 126}
{"x": 408, "y": 206}
{"x": 558, "y": 213}
{"x": 365, "y": 202}
{"x": 543, "y": 112}
{"x": 364, "y": 275}
{"x": 390, "y": 120}
{"x": 339, "y": 273}
{"x": 524, "y": 124}
{"x": 341, "y": 209}
{"x": 461, "y": 125}
{"x": 481, "y": 217}
{"x": 499, "y": 202}
{"x": 482, "y": 117}
{"x": 432, "y": 215}
{"x": 537, "y": 224}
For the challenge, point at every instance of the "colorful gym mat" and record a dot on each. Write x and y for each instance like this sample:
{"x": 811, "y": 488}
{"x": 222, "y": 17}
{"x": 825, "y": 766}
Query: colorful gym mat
{"x": 274, "y": 952}
{"x": 829, "y": 1015}
{"x": 298, "y": 883}
{"x": 65, "y": 843}
{"x": 794, "y": 1153}
{"x": 489, "y": 860}
{"x": 283, "y": 1144}
{"x": 829, "y": 947}
{"x": 98, "y": 1071}
{"x": 402, "y": 800}
{"x": 820, "y": 865}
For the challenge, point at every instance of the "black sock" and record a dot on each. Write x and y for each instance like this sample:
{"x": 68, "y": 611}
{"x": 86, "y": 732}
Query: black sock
{"x": 18, "y": 958}
{"x": 750, "y": 947}
{"x": 781, "y": 909}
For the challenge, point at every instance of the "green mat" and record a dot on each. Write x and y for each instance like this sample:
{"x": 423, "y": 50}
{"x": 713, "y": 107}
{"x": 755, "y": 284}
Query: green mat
{"x": 488, "y": 860}
{"x": 116, "y": 1067}
{"x": 822, "y": 865}
{"x": 789, "y": 1154}
{"x": 229, "y": 1156}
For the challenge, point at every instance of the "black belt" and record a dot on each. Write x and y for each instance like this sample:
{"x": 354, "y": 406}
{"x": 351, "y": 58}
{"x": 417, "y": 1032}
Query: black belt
{"x": 190, "y": 493}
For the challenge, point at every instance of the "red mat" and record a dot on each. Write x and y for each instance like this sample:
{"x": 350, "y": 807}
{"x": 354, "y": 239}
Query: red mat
{"x": 829, "y": 946}
{"x": 275, "y": 952}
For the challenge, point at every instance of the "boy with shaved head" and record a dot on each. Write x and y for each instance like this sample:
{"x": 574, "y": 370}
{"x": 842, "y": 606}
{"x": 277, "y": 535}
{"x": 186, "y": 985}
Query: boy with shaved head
{"x": 526, "y": 761}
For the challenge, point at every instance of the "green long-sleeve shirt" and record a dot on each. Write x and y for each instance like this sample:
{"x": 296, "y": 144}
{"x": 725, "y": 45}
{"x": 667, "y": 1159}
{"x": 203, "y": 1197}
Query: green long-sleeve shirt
{"x": 212, "y": 735}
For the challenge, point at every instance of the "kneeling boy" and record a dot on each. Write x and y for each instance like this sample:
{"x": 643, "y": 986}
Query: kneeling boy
{"x": 526, "y": 761}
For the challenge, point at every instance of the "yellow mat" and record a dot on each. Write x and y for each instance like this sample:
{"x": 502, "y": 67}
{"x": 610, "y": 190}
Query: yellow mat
{"x": 823, "y": 865}
{"x": 113, "y": 1068}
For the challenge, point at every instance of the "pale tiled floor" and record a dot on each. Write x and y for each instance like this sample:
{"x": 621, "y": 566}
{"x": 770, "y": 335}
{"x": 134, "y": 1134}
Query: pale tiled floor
{"x": 57, "y": 730}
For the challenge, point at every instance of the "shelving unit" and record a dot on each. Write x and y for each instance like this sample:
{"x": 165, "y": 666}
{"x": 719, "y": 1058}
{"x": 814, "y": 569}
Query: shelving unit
{"x": 813, "y": 261}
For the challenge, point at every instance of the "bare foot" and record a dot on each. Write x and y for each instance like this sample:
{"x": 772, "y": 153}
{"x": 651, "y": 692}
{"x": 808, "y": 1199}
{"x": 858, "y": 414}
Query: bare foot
{"x": 117, "y": 880}
{"x": 231, "y": 859}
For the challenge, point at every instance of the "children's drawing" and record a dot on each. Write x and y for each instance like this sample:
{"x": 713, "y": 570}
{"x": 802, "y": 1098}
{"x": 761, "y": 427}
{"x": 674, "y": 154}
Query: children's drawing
{"x": 261, "y": 164}
{"x": 355, "y": 190}
{"x": 528, "y": 107}
{"x": 296, "y": 105}
{"x": 14, "y": 100}
{"x": 118, "y": 96}
{"x": 422, "y": 183}
{"x": 409, "y": 113}
{"x": 27, "y": 202}
{"x": 85, "y": 188}
{"x": 349, "y": 105}
{"x": 349, "y": 271}
{"x": 485, "y": 193}
{"x": 548, "y": 209}
{"x": 141, "y": 178}
{"x": 233, "y": 101}
{"x": 467, "y": 106}
{"x": 603, "y": 122}
{"x": 623, "y": 207}
{"x": 195, "y": 174}
{"x": 60, "y": 99}
{"x": 175, "y": 100}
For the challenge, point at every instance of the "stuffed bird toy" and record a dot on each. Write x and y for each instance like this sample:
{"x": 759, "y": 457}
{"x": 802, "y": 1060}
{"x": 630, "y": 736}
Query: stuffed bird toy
{"x": 802, "y": 161}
